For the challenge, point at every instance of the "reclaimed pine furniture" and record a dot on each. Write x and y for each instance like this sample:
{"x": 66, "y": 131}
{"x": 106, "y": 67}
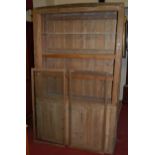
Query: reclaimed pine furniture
{"x": 75, "y": 82}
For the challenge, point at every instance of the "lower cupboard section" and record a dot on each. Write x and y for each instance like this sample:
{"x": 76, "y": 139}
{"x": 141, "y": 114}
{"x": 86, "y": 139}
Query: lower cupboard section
{"x": 91, "y": 126}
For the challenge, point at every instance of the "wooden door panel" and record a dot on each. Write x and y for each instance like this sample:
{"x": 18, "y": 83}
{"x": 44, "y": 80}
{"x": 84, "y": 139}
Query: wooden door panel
{"x": 88, "y": 97}
{"x": 50, "y": 119}
{"x": 49, "y": 105}
{"x": 87, "y": 123}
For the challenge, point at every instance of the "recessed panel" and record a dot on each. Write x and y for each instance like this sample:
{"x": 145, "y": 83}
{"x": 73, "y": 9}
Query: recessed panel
{"x": 49, "y": 105}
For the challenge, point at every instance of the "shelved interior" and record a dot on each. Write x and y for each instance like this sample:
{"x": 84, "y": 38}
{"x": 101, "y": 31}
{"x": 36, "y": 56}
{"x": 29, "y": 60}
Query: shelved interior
{"x": 79, "y": 31}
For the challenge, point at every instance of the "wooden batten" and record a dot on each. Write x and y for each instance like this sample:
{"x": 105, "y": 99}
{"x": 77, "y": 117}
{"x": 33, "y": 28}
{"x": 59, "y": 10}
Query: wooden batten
{"x": 80, "y": 56}
{"x": 119, "y": 44}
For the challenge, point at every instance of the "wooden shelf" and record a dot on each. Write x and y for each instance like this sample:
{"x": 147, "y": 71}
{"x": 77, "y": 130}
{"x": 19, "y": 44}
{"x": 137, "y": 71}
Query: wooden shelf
{"x": 73, "y": 97}
{"x": 80, "y": 56}
{"x": 83, "y": 16}
{"x": 90, "y": 75}
{"x": 79, "y": 51}
{"x": 83, "y": 75}
{"x": 78, "y": 33}
{"x": 90, "y": 99}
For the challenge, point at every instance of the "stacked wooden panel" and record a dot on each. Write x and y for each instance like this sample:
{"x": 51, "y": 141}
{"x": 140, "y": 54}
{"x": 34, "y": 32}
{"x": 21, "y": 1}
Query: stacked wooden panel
{"x": 78, "y": 50}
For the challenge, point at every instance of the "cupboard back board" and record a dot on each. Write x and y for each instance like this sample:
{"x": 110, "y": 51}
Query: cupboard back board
{"x": 78, "y": 50}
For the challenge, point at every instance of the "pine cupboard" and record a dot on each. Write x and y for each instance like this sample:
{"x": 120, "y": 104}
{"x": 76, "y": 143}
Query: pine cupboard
{"x": 76, "y": 79}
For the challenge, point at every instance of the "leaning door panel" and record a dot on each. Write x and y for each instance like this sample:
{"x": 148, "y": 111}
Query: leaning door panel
{"x": 49, "y": 105}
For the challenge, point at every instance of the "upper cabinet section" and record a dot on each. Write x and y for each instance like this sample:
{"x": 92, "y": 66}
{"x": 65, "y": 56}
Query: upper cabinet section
{"x": 79, "y": 32}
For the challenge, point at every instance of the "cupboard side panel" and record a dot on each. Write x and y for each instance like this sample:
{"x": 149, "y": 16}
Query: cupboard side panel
{"x": 37, "y": 29}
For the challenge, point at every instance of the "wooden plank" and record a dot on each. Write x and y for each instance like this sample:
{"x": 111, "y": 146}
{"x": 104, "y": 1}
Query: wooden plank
{"x": 110, "y": 129}
{"x": 81, "y": 56}
{"x": 33, "y": 104}
{"x": 79, "y": 51}
{"x": 90, "y": 75}
{"x": 96, "y": 65}
{"x": 117, "y": 67}
{"x": 94, "y": 100}
{"x": 70, "y": 103}
{"x": 79, "y": 8}
{"x": 104, "y": 120}
{"x": 66, "y": 104}
{"x": 77, "y": 33}
{"x": 37, "y": 29}
{"x": 83, "y": 16}
{"x": 48, "y": 70}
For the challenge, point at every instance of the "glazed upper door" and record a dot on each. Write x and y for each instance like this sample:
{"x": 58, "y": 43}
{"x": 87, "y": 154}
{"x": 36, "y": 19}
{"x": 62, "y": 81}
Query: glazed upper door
{"x": 48, "y": 106}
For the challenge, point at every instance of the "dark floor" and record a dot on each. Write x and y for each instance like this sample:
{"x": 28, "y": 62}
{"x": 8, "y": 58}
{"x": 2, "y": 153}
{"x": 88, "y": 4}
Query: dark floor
{"x": 121, "y": 145}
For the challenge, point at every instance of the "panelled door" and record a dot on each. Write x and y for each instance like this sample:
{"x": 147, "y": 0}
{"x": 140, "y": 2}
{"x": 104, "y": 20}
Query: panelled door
{"x": 48, "y": 106}
{"x": 89, "y": 94}
{"x": 69, "y": 107}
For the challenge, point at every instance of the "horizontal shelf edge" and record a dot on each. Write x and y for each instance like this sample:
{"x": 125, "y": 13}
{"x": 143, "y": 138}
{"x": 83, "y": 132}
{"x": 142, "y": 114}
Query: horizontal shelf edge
{"x": 92, "y": 77}
{"x": 89, "y": 51}
{"x": 84, "y": 56}
{"x": 89, "y": 33}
